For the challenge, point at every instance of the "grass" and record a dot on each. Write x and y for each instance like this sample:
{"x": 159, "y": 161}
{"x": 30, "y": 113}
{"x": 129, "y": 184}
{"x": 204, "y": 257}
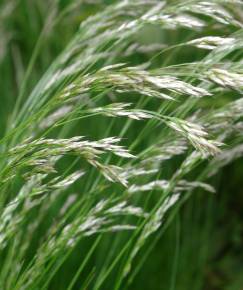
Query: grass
{"x": 120, "y": 120}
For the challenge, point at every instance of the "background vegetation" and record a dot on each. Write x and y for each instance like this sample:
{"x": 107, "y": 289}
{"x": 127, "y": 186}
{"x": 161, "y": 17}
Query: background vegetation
{"x": 121, "y": 144}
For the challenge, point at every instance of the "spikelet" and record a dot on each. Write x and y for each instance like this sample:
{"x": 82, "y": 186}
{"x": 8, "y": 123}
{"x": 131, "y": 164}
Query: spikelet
{"x": 162, "y": 185}
{"x": 196, "y": 135}
{"x": 212, "y": 42}
{"x": 174, "y": 21}
{"x": 213, "y": 10}
{"x": 226, "y": 78}
{"x": 120, "y": 110}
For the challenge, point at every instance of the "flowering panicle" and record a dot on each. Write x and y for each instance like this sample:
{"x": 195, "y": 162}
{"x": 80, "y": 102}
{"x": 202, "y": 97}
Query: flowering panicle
{"x": 131, "y": 79}
{"x": 182, "y": 185}
{"x": 226, "y": 78}
{"x": 41, "y": 149}
{"x": 196, "y": 135}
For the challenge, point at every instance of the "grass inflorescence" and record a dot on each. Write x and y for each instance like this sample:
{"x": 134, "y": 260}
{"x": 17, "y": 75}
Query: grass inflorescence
{"x": 112, "y": 116}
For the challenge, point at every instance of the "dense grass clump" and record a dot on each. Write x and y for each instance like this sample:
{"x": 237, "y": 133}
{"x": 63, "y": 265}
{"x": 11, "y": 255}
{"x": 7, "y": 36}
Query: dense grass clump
{"x": 118, "y": 119}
